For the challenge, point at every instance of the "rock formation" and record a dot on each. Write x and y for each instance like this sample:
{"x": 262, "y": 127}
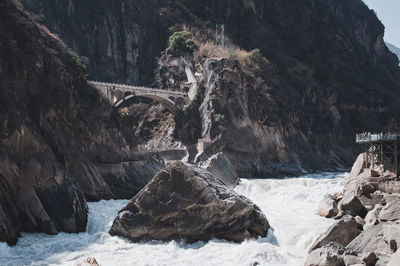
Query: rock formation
{"x": 327, "y": 72}
{"x": 363, "y": 241}
{"x": 186, "y": 202}
{"x": 59, "y": 141}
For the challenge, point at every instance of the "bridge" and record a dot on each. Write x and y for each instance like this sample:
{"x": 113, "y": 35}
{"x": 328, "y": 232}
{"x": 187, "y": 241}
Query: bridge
{"x": 117, "y": 94}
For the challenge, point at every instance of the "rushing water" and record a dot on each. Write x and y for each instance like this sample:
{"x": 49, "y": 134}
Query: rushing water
{"x": 289, "y": 204}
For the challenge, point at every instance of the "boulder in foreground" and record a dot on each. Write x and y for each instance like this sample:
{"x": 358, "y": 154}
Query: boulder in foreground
{"x": 189, "y": 203}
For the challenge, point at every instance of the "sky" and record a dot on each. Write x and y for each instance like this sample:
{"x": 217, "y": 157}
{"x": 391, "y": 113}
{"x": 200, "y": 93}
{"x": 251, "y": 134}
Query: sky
{"x": 388, "y": 12}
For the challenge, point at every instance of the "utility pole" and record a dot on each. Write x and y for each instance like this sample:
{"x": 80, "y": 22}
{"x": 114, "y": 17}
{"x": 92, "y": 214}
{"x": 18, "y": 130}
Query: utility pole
{"x": 220, "y": 36}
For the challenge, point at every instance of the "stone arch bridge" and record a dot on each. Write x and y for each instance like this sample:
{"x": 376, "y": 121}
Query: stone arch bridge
{"x": 118, "y": 94}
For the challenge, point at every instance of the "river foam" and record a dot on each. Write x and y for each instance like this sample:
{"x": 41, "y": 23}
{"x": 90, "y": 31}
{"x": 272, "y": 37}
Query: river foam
{"x": 289, "y": 204}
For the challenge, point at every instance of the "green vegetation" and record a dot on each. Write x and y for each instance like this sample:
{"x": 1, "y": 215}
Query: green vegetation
{"x": 213, "y": 97}
{"x": 18, "y": 4}
{"x": 219, "y": 118}
{"x": 258, "y": 58}
{"x": 75, "y": 58}
{"x": 261, "y": 63}
{"x": 181, "y": 42}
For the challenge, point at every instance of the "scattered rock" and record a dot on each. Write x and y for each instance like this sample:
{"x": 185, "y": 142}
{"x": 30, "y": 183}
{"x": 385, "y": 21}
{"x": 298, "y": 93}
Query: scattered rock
{"x": 370, "y": 240}
{"x": 391, "y": 234}
{"x": 331, "y": 254}
{"x": 342, "y": 232}
{"x": 351, "y": 204}
{"x": 369, "y": 258}
{"x": 371, "y": 218}
{"x": 189, "y": 203}
{"x": 328, "y": 207}
{"x": 365, "y": 189}
{"x": 391, "y": 212}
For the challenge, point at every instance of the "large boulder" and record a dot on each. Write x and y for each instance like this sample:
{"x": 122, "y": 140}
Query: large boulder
{"x": 359, "y": 165}
{"x": 342, "y": 232}
{"x": 351, "y": 204}
{"x": 189, "y": 203}
{"x": 391, "y": 212}
{"x": 371, "y": 240}
{"x": 328, "y": 207}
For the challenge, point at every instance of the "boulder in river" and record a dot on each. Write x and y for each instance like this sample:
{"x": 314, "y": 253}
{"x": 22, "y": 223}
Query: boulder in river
{"x": 186, "y": 202}
{"x": 328, "y": 207}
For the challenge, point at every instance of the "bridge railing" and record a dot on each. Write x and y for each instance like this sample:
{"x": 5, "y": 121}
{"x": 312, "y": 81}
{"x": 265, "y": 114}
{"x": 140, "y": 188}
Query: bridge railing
{"x": 364, "y": 138}
{"x": 147, "y": 89}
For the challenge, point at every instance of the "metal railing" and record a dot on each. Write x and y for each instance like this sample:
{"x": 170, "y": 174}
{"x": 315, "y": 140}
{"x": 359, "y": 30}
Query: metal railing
{"x": 363, "y": 138}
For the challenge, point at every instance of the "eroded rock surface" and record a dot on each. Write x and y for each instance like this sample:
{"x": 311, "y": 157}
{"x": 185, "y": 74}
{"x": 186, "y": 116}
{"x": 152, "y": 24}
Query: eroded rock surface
{"x": 186, "y": 202}
{"x": 342, "y": 232}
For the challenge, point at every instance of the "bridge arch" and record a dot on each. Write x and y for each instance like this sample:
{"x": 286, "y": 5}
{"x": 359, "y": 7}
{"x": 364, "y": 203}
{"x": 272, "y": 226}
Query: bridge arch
{"x": 118, "y": 94}
{"x": 167, "y": 103}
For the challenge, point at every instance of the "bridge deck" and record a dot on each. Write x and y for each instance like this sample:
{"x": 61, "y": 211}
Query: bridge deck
{"x": 137, "y": 88}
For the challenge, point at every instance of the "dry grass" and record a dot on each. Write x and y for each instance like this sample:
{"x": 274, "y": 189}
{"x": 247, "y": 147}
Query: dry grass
{"x": 205, "y": 39}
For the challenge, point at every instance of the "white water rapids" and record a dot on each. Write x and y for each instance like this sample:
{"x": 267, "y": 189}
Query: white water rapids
{"x": 289, "y": 204}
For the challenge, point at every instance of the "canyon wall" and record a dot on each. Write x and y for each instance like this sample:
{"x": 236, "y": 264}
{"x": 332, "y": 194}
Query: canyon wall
{"x": 330, "y": 74}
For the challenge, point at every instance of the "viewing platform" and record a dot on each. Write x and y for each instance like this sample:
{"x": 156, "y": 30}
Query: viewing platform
{"x": 367, "y": 138}
{"x": 381, "y": 149}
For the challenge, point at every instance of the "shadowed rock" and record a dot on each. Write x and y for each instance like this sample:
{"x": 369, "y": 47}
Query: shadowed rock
{"x": 189, "y": 203}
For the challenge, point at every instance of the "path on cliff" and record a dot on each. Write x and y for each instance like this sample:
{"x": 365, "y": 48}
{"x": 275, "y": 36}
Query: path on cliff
{"x": 289, "y": 204}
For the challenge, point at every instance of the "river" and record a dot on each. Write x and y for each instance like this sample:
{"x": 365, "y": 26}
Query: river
{"x": 289, "y": 204}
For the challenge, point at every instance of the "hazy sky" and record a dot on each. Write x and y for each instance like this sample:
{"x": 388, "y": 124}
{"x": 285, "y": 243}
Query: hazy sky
{"x": 389, "y": 13}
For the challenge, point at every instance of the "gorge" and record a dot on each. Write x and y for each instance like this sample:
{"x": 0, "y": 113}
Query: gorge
{"x": 294, "y": 83}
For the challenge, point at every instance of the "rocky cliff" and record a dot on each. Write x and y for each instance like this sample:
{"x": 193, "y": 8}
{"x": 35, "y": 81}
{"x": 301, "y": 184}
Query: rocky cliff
{"x": 329, "y": 73}
{"x": 59, "y": 141}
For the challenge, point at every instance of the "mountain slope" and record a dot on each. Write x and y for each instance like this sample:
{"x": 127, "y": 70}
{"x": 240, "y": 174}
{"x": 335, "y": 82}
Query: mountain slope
{"x": 330, "y": 77}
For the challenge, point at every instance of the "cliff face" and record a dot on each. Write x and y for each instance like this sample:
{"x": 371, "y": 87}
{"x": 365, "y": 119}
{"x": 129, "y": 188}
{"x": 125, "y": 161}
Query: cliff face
{"x": 329, "y": 75}
{"x": 59, "y": 141}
